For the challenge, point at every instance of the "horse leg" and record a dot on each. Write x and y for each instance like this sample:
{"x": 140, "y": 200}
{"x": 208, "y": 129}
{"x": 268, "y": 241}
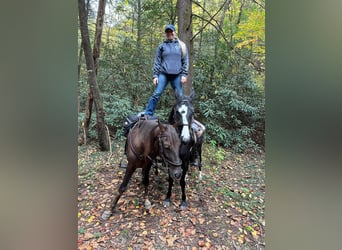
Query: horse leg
{"x": 123, "y": 162}
{"x": 167, "y": 200}
{"x": 185, "y": 166}
{"x": 200, "y": 160}
{"x": 123, "y": 187}
{"x": 198, "y": 155}
{"x": 146, "y": 181}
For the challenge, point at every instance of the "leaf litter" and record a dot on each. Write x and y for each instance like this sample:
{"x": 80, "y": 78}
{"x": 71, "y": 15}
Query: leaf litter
{"x": 225, "y": 209}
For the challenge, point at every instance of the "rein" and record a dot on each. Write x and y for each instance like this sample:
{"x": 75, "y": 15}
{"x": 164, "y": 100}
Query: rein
{"x": 161, "y": 149}
{"x": 162, "y": 154}
{"x": 140, "y": 157}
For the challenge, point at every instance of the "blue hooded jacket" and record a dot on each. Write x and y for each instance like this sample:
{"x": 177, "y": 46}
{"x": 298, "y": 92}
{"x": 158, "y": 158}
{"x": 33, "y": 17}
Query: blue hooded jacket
{"x": 169, "y": 60}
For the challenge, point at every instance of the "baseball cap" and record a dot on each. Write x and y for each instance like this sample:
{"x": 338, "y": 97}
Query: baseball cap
{"x": 170, "y": 27}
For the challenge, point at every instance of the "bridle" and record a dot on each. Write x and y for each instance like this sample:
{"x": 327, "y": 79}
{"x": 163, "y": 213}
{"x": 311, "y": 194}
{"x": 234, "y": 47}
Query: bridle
{"x": 161, "y": 147}
{"x": 162, "y": 152}
{"x": 177, "y": 121}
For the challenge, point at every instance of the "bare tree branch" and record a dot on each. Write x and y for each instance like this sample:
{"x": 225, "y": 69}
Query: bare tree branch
{"x": 212, "y": 21}
{"x": 215, "y": 26}
{"x": 211, "y": 18}
{"x": 262, "y": 6}
{"x": 232, "y": 48}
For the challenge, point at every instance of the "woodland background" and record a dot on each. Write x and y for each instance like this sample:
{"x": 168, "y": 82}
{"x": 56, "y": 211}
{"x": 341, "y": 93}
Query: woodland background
{"x": 226, "y": 41}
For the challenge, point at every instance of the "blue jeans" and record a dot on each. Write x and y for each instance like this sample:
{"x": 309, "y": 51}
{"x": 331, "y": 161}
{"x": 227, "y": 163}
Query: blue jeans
{"x": 163, "y": 80}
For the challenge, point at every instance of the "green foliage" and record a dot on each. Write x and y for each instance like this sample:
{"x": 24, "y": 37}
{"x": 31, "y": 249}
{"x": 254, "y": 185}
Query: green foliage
{"x": 230, "y": 109}
{"x": 251, "y": 31}
{"x": 228, "y": 75}
{"x": 116, "y": 108}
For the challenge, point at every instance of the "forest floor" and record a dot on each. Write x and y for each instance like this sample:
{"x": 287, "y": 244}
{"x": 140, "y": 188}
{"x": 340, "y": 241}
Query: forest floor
{"x": 225, "y": 209}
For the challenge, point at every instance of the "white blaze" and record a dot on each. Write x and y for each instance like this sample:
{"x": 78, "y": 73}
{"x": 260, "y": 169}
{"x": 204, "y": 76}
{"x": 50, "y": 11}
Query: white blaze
{"x": 185, "y": 135}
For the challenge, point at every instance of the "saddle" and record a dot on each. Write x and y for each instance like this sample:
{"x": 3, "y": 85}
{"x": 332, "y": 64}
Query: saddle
{"x": 198, "y": 128}
{"x": 132, "y": 119}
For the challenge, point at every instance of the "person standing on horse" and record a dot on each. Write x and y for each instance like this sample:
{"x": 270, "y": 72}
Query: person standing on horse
{"x": 171, "y": 64}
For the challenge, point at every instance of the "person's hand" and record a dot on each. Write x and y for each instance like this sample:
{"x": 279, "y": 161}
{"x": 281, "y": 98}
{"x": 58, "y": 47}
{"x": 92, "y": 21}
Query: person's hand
{"x": 155, "y": 81}
{"x": 183, "y": 79}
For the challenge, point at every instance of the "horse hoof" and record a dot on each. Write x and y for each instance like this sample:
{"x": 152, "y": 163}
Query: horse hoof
{"x": 200, "y": 175}
{"x": 183, "y": 205}
{"x": 123, "y": 164}
{"x": 147, "y": 204}
{"x": 106, "y": 215}
{"x": 166, "y": 203}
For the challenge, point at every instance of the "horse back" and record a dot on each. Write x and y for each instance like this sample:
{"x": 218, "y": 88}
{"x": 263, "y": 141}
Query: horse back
{"x": 140, "y": 139}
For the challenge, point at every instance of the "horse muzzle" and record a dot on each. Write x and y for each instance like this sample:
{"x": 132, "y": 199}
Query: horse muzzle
{"x": 176, "y": 173}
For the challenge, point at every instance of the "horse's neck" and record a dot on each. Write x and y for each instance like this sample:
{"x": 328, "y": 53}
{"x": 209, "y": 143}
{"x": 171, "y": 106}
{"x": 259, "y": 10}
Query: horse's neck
{"x": 171, "y": 118}
{"x": 155, "y": 139}
{"x": 144, "y": 136}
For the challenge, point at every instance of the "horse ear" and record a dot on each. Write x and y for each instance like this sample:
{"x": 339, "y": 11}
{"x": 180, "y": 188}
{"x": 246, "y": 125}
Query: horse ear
{"x": 177, "y": 96}
{"x": 192, "y": 95}
{"x": 161, "y": 126}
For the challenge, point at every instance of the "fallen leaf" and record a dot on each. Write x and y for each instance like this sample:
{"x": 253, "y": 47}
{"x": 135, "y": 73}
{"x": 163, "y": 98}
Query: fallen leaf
{"x": 189, "y": 231}
{"x": 170, "y": 242}
{"x": 254, "y": 234}
{"x": 88, "y": 236}
{"x": 241, "y": 239}
{"x": 85, "y": 247}
{"x": 91, "y": 218}
{"x": 207, "y": 244}
{"x": 162, "y": 238}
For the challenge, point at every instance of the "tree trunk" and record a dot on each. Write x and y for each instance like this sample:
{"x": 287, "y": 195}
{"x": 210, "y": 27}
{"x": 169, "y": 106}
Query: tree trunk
{"x": 81, "y": 140}
{"x": 98, "y": 33}
{"x": 184, "y": 12}
{"x": 79, "y": 63}
{"x": 88, "y": 111}
{"x": 101, "y": 128}
{"x": 96, "y": 56}
{"x": 138, "y": 53}
{"x": 84, "y": 133}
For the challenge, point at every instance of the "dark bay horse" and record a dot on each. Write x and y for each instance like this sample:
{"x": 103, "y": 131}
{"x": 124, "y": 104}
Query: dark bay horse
{"x": 182, "y": 117}
{"x": 146, "y": 140}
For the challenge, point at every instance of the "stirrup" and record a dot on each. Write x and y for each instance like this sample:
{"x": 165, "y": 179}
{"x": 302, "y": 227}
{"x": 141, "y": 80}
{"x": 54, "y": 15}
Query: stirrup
{"x": 122, "y": 165}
